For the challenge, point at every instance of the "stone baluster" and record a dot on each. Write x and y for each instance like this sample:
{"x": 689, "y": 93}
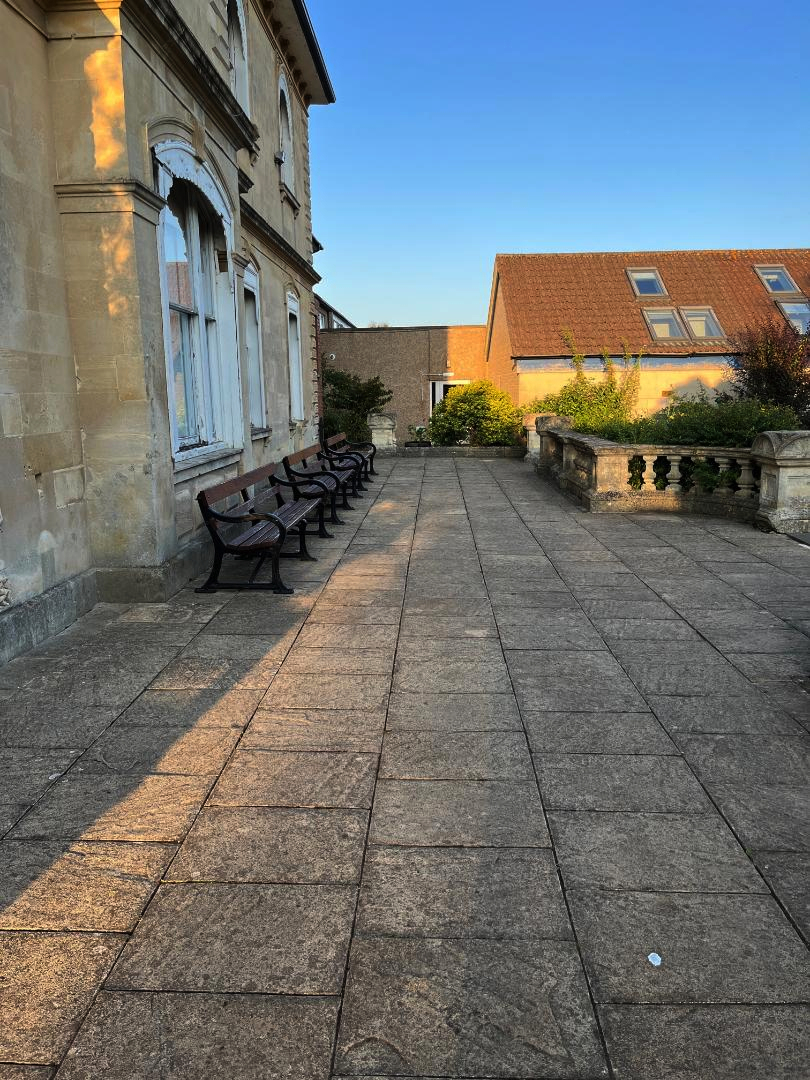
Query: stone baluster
{"x": 696, "y": 463}
{"x": 649, "y": 471}
{"x": 674, "y": 474}
{"x": 745, "y": 482}
{"x": 723, "y": 483}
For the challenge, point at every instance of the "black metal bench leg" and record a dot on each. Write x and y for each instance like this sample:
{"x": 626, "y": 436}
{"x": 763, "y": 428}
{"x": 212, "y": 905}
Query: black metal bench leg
{"x": 345, "y": 505}
{"x": 303, "y": 551}
{"x": 277, "y": 584}
{"x": 322, "y": 524}
{"x": 334, "y": 519}
{"x": 213, "y": 577}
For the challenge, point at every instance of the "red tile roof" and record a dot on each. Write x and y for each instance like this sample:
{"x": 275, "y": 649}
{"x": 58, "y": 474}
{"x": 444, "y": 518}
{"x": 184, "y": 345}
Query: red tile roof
{"x": 590, "y": 294}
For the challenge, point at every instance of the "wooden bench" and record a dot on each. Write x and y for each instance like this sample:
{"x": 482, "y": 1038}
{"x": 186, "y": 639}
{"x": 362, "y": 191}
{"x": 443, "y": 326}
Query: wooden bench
{"x": 315, "y": 477}
{"x": 257, "y": 526}
{"x": 338, "y": 448}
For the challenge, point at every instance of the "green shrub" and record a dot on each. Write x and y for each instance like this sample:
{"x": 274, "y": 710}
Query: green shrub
{"x": 609, "y": 398}
{"x": 348, "y": 400}
{"x": 771, "y": 362}
{"x": 478, "y": 414}
{"x": 698, "y": 422}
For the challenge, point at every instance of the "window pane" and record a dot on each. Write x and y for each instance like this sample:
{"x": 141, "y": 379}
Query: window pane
{"x": 254, "y": 363}
{"x": 647, "y": 282}
{"x": 296, "y": 382}
{"x": 702, "y": 323}
{"x": 799, "y": 316}
{"x": 664, "y": 324}
{"x": 180, "y": 330}
{"x": 178, "y": 273}
{"x": 777, "y": 279}
{"x": 207, "y": 258}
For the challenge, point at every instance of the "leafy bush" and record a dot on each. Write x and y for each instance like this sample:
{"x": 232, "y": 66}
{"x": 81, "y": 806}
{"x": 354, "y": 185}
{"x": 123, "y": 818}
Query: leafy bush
{"x": 771, "y": 362}
{"x": 611, "y": 398}
{"x": 478, "y": 414}
{"x": 348, "y": 400}
{"x": 698, "y": 422}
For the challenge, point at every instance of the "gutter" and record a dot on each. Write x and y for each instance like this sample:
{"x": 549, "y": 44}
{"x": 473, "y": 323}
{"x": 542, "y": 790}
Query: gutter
{"x": 315, "y": 49}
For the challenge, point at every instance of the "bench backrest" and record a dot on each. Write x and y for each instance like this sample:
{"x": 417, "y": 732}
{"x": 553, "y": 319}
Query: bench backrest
{"x": 256, "y": 479}
{"x": 302, "y": 455}
{"x": 337, "y": 440}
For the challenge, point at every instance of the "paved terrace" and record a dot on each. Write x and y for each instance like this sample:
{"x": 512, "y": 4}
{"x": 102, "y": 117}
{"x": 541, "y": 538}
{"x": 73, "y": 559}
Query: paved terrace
{"x": 546, "y": 746}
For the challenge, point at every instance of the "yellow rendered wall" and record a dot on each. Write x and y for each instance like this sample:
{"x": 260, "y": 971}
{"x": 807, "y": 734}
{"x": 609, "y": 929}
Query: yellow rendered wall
{"x": 656, "y": 384}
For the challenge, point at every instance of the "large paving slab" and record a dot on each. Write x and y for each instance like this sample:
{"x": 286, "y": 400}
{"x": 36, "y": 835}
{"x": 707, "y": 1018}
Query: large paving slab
{"x": 504, "y": 789}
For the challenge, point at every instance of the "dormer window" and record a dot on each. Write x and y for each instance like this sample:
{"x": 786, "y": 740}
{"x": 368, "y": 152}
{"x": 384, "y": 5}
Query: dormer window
{"x": 798, "y": 315}
{"x": 665, "y": 324}
{"x": 702, "y": 322}
{"x": 646, "y": 282}
{"x": 776, "y": 279}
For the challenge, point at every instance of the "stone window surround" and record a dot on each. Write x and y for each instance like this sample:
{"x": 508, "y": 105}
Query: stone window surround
{"x": 295, "y": 362}
{"x": 177, "y": 160}
{"x": 250, "y": 284}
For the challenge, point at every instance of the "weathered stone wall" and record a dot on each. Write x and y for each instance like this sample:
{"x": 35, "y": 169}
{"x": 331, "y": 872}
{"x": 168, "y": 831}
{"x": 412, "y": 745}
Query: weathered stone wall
{"x": 44, "y": 535}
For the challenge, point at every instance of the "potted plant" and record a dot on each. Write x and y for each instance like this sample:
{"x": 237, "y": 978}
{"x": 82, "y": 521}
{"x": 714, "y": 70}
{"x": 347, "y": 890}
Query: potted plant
{"x": 418, "y": 435}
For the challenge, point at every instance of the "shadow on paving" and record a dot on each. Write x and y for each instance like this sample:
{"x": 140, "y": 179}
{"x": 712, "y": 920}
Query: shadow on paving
{"x": 429, "y": 816}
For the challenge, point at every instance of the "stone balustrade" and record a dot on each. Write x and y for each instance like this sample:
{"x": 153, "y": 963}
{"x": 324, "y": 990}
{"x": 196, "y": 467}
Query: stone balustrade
{"x": 726, "y": 481}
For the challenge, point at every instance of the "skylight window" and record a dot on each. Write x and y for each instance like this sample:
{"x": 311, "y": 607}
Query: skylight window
{"x": 798, "y": 315}
{"x": 647, "y": 282}
{"x": 664, "y": 324}
{"x": 776, "y": 279}
{"x": 702, "y": 323}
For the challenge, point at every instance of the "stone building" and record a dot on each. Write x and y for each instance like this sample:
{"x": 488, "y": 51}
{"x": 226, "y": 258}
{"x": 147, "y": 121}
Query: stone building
{"x": 157, "y": 312}
{"x": 676, "y": 307}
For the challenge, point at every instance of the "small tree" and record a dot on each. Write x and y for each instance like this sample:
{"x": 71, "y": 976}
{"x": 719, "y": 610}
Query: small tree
{"x": 771, "y": 363}
{"x": 478, "y": 414}
{"x": 348, "y": 400}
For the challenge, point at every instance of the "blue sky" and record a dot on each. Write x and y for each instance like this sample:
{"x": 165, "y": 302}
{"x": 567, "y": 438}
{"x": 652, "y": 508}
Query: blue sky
{"x": 466, "y": 129}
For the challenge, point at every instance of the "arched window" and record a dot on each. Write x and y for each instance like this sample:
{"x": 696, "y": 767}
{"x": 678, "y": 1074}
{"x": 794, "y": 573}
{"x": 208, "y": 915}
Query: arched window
{"x": 237, "y": 52}
{"x": 294, "y": 357}
{"x": 198, "y": 303}
{"x": 253, "y": 351}
{"x": 287, "y": 147}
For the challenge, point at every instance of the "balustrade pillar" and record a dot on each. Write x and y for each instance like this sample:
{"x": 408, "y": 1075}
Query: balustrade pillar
{"x": 674, "y": 474}
{"x": 649, "y": 470}
{"x": 723, "y": 482}
{"x": 745, "y": 482}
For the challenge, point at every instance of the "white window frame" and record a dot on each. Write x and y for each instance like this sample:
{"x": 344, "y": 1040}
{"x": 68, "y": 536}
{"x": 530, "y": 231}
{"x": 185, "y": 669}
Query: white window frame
{"x": 434, "y": 401}
{"x": 256, "y": 394}
{"x": 295, "y": 362}
{"x": 217, "y": 376}
{"x": 685, "y": 336}
{"x": 646, "y": 270}
{"x": 286, "y": 145}
{"x": 801, "y": 301}
{"x": 238, "y": 56}
{"x": 763, "y": 269}
{"x": 700, "y": 309}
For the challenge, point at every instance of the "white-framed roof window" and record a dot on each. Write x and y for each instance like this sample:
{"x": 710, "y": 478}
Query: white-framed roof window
{"x": 797, "y": 314}
{"x": 665, "y": 324}
{"x": 702, "y": 322}
{"x": 646, "y": 281}
{"x": 776, "y": 279}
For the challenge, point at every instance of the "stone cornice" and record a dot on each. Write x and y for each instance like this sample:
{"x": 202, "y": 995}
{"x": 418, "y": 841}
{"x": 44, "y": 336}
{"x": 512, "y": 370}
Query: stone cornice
{"x": 107, "y": 196}
{"x": 252, "y": 220}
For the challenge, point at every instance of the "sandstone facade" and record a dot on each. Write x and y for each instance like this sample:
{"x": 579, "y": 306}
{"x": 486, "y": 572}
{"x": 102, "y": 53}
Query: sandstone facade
{"x": 145, "y": 142}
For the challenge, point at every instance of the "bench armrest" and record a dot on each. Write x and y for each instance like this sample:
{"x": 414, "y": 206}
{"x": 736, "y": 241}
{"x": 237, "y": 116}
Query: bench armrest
{"x": 292, "y": 484}
{"x": 238, "y": 519}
